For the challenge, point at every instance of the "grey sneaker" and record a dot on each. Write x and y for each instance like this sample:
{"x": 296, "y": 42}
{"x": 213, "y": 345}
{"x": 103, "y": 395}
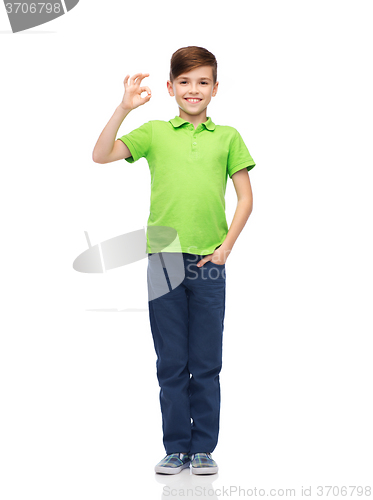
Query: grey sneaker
{"x": 202, "y": 463}
{"x": 173, "y": 463}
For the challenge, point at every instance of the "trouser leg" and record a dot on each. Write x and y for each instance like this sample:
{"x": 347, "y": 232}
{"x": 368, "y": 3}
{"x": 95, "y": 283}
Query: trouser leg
{"x": 206, "y": 287}
{"x": 168, "y": 316}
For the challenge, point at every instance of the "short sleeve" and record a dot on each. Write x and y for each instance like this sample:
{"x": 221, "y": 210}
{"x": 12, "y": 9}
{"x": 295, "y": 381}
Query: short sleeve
{"x": 138, "y": 141}
{"x": 239, "y": 156}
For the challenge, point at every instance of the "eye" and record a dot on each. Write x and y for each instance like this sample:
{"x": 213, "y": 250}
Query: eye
{"x": 204, "y": 83}
{"x": 183, "y": 82}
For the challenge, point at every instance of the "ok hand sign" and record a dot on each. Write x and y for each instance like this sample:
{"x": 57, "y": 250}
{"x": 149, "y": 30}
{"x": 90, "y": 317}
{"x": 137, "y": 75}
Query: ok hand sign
{"x": 132, "y": 95}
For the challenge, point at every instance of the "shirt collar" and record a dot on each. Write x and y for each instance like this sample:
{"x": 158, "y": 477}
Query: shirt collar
{"x": 178, "y": 121}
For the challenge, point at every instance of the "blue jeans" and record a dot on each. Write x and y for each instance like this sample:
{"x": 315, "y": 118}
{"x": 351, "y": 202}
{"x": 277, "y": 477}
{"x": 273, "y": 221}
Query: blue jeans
{"x": 187, "y": 327}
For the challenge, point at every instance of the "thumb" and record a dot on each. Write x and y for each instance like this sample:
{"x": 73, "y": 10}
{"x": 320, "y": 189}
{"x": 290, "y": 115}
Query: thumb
{"x": 145, "y": 99}
{"x": 148, "y": 93}
{"x": 202, "y": 262}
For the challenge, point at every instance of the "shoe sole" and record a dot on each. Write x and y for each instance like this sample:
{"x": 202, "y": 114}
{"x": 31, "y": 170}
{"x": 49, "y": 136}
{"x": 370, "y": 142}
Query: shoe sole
{"x": 170, "y": 470}
{"x": 205, "y": 470}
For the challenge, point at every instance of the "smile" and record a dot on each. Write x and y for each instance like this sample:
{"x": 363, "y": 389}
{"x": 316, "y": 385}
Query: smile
{"x": 193, "y": 100}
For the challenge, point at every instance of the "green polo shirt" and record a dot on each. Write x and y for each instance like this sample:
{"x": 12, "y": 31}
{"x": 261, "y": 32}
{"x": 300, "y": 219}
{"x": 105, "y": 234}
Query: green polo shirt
{"x": 189, "y": 169}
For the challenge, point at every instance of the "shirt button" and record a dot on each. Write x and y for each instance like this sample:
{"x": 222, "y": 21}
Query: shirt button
{"x": 194, "y": 144}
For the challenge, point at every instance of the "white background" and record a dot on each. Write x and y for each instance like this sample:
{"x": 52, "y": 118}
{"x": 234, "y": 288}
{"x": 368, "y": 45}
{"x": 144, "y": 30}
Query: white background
{"x": 80, "y": 415}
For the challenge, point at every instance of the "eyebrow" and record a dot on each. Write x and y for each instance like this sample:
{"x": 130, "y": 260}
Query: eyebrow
{"x": 186, "y": 78}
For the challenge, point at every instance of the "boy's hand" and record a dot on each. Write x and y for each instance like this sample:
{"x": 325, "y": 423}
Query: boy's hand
{"x": 219, "y": 256}
{"x": 132, "y": 95}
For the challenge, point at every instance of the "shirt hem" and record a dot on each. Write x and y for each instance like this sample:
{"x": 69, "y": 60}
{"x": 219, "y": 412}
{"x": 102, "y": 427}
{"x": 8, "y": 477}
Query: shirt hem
{"x": 249, "y": 166}
{"x": 134, "y": 155}
{"x": 196, "y": 251}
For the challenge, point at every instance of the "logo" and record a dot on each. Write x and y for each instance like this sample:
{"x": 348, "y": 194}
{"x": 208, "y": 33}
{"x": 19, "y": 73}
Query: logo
{"x": 166, "y": 270}
{"x": 28, "y": 14}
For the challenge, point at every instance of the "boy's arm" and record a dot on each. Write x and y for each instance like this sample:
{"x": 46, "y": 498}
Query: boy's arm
{"x": 241, "y": 181}
{"x": 242, "y": 185}
{"x": 107, "y": 149}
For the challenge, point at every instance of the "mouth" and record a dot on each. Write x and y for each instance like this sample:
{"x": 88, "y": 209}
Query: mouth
{"x": 193, "y": 100}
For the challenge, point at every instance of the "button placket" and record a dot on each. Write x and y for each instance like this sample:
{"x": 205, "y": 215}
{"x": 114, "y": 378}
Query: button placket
{"x": 194, "y": 144}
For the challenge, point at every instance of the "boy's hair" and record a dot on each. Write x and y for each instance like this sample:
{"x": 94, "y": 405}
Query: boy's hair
{"x": 191, "y": 57}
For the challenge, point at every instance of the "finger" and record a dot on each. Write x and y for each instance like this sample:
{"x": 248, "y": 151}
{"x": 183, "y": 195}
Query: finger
{"x": 202, "y": 262}
{"x": 146, "y": 98}
{"x": 141, "y": 77}
{"x": 145, "y": 89}
{"x": 125, "y": 81}
{"x": 133, "y": 78}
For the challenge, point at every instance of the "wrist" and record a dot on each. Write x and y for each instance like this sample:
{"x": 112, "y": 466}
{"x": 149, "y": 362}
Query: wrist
{"x": 226, "y": 248}
{"x": 123, "y": 110}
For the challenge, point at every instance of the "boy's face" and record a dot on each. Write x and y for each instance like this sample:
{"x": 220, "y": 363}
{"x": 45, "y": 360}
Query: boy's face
{"x": 193, "y": 90}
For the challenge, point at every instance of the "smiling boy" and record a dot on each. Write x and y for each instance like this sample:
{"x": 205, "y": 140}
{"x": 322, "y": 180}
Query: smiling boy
{"x": 190, "y": 159}
{"x": 193, "y": 91}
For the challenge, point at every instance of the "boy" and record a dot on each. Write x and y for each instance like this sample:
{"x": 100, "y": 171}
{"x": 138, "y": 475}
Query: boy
{"x": 190, "y": 159}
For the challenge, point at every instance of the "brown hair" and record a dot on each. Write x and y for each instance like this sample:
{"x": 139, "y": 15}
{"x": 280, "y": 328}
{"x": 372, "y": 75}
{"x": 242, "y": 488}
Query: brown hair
{"x": 191, "y": 57}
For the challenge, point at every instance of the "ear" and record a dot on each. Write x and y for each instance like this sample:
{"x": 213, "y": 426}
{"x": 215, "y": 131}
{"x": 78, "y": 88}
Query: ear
{"x": 215, "y": 89}
{"x": 170, "y": 88}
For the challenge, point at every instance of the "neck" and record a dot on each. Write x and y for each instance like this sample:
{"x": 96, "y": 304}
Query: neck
{"x": 194, "y": 119}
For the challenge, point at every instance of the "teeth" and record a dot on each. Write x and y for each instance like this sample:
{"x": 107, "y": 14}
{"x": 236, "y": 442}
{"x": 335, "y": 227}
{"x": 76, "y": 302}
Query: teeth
{"x": 193, "y": 100}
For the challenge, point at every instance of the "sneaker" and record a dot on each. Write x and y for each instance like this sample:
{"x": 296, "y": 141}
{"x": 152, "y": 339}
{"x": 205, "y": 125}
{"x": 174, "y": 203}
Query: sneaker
{"x": 173, "y": 463}
{"x": 202, "y": 463}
